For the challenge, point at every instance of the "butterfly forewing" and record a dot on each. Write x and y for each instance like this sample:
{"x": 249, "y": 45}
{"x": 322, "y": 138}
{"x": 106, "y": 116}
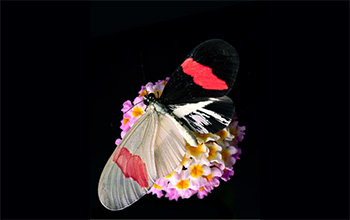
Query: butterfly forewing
{"x": 208, "y": 71}
{"x": 152, "y": 149}
{"x": 122, "y": 181}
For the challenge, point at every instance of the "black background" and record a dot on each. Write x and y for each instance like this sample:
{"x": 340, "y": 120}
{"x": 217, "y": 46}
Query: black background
{"x": 116, "y": 60}
{"x": 65, "y": 67}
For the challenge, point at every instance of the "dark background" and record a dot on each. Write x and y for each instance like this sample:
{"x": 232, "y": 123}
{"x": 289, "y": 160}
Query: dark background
{"x": 64, "y": 70}
{"x": 116, "y": 61}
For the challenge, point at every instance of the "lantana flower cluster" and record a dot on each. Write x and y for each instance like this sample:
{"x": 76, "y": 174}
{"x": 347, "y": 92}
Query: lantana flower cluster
{"x": 203, "y": 166}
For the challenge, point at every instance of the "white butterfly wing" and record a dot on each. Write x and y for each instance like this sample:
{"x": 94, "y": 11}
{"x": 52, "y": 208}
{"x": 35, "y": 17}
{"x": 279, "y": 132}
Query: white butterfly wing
{"x": 205, "y": 114}
{"x": 117, "y": 192}
{"x": 153, "y": 147}
{"x": 169, "y": 148}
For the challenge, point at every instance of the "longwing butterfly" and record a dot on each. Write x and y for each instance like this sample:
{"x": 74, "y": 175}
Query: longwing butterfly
{"x": 194, "y": 100}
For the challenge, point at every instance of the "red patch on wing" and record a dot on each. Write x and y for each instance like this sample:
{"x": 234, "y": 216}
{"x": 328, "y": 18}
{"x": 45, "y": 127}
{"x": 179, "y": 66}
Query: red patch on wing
{"x": 203, "y": 75}
{"x": 131, "y": 166}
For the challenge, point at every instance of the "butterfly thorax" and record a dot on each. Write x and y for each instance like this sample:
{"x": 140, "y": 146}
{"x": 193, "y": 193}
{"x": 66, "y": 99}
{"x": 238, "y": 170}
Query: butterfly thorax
{"x": 152, "y": 101}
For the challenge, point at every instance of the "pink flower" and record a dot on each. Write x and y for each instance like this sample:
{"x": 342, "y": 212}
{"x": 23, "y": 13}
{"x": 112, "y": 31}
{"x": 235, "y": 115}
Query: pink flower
{"x": 172, "y": 194}
{"x": 226, "y": 175}
{"x": 118, "y": 141}
{"x": 142, "y": 92}
{"x": 203, "y": 166}
{"x": 181, "y": 184}
{"x": 164, "y": 81}
{"x": 158, "y": 186}
{"x": 213, "y": 179}
{"x": 197, "y": 175}
{"x": 227, "y": 155}
{"x": 125, "y": 124}
{"x": 123, "y": 133}
{"x": 158, "y": 89}
{"x": 202, "y": 192}
{"x": 236, "y": 155}
{"x": 240, "y": 133}
{"x": 137, "y": 111}
{"x": 237, "y": 131}
{"x": 126, "y": 106}
{"x": 149, "y": 87}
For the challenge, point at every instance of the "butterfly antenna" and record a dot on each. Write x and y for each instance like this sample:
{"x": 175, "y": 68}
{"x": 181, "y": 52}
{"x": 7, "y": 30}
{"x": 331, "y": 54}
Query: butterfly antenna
{"x": 142, "y": 70}
{"x": 119, "y": 118}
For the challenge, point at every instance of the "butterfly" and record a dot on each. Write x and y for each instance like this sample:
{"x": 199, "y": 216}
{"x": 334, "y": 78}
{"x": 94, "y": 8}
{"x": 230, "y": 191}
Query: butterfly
{"x": 193, "y": 100}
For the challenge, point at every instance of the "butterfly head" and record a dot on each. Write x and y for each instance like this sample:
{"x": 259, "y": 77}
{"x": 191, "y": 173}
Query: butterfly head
{"x": 149, "y": 98}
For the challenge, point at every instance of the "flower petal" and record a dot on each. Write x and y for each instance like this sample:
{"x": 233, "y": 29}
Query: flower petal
{"x": 118, "y": 141}
{"x": 126, "y": 106}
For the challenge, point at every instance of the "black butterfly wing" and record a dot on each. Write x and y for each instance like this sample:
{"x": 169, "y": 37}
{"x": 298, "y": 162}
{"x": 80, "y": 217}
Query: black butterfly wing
{"x": 205, "y": 114}
{"x": 196, "y": 90}
{"x": 208, "y": 71}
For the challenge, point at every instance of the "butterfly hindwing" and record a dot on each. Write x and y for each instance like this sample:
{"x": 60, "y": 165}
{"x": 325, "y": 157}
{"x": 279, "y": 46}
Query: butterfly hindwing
{"x": 205, "y": 114}
{"x": 169, "y": 148}
{"x": 208, "y": 71}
